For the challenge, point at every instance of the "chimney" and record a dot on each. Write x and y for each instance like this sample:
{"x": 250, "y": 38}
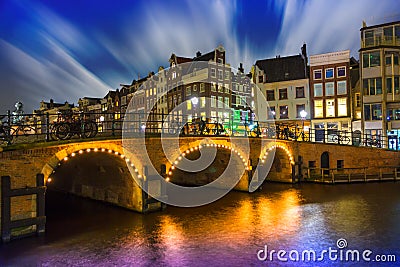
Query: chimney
{"x": 198, "y": 54}
{"x": 241, "y": 67}
{"x": 305, "y": 59}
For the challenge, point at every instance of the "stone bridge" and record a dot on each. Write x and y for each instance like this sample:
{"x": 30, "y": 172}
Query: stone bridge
{"x": 102, "y": 169}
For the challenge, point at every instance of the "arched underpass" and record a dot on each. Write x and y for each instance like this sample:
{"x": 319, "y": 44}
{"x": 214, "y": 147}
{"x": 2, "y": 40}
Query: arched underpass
{"x": 218, "y": 166}
{"x": 99, "y": 176}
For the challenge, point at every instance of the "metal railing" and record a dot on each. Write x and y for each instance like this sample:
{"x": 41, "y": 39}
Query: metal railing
{"x": 349, "y": 175}
{"x": 48, "y": 127}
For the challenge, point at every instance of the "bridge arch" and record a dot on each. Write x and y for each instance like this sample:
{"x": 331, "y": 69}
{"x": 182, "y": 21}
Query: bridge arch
{"x": 281, "y": 146}
{"x": 196, "y": 146}
{"x": 76, "y": 150}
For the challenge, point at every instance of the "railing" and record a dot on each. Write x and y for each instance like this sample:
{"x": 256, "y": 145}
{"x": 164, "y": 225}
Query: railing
{"x": 349, "y": 175}
{"x": 48, "y": 127}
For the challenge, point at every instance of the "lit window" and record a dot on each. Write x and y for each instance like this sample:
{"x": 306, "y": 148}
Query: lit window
{"x": 329, "y": 73}
{"x": 213, "y": 101}
{"x": 299, "y": 109}
{"x": 202, "y": 88}
{"x": 226, "y": 101}
{"x": 330, "y": 108}
{"x": 188, "y": 91}
{"x": 213, "y": 87}
{"x": 318, "y": 109}
{"x": 271, "y": 113}
{"x": 202, "y": 101}
{"x": 189, "y": 105}
{"x": 342, "y": 106}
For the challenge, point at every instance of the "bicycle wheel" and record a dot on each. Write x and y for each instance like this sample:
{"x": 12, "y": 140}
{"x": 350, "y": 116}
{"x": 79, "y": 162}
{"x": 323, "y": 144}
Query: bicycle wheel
{"x": 95, "y": 129}
{"x": 346, "y": 140}
{"x": 63, "y": 131}
{"x": 4, "y": 136}
{"x": 335, "y": 139}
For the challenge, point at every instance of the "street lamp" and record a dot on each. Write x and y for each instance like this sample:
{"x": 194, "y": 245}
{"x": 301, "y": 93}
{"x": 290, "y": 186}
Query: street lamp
{"x": 303, "y": 115}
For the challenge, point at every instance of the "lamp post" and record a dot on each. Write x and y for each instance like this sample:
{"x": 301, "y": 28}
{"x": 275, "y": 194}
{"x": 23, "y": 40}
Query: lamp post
{"x": 303, "y": 115}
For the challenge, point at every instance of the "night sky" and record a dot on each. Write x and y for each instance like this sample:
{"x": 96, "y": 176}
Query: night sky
{"x": 70, "y": 49}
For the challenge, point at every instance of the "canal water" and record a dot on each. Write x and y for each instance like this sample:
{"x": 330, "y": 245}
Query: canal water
{"x": 229, "y": 232}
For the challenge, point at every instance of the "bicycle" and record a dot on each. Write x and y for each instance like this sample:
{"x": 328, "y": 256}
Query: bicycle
{"x": 5, "y": 135}
{"x": 373, "y": 142}
{"x": 340, "y": 139}
{"x": 66, "y": 130}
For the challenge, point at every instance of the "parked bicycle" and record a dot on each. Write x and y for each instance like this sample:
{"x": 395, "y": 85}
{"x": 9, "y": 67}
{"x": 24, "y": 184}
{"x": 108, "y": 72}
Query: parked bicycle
{"x": 5, "y": 135}
{"x": 66, "y": 127}
{"x": 340, "y": 139}
{"x": 373, "y": 142}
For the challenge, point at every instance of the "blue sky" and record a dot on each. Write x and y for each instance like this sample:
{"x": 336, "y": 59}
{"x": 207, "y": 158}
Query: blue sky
{"x": 69, "y": 49}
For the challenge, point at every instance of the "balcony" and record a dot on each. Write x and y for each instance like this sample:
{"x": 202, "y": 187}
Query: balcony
{"x": 378, "y": 41}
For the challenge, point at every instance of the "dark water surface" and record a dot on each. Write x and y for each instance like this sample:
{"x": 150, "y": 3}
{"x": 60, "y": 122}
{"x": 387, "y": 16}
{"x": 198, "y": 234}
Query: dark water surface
{"x": 228, "y": 232}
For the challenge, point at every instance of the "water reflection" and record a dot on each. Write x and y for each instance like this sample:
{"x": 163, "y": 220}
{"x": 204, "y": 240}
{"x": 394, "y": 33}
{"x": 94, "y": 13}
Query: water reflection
{"x": 227, "y": 232}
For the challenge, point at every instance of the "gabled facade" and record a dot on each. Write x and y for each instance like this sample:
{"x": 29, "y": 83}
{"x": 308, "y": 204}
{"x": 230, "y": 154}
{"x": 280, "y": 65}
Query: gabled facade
{"x": 284, "y": 83}
{"x": 330, "y": 94}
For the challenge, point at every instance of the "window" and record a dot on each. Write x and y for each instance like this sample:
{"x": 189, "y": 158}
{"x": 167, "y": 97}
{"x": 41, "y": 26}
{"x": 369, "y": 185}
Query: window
{"x": 330, "y": 107}
{"x": 317, "y": 89}
{"x": 317, "y": 74}
{"x": 342, "y": 106}
{"x": 318, "y": 109}
{"x": 220, "y": 102}
{"x": 393, "y": 114}
{"x": 220, "y": 88}
{"x": 213, "y": 101}
{"x": 358, "y": 100}
{"x": 330, "y": 89}
{"x": 299, "y": 108}
{"x": 213, "y": 87}
{"x": 300, "y": 92}
{"x": 202, "y": 88}
{"x": 372, "y": 59}
{"x": 194, "y": 87}
{"x": 270, "y": 95}
{"x": 189, "y": 104}
{"x": 202, "y": 101}
{"x": 283, "y": 94}
{"x": 372, "y": 112}
{"x": 174, "y": 75}
{"x": 226, "y": 75}
{"x": 260, "y": 78}
{"x": 341, "y": 87}
{"x": 226, "y": 101}
{"x": 390, "y": 83}
{"x": 271, "y": 113}
{"x": 340, "y": 164}
{"x": 329, "y": 73}
{"x": 188, "y": 91}
{"x": 372, "y": 86}
{"x": 220, "y": 77}
{"x": 227, "y": 88}
{"x": 388, "y": 59}
{"x": 341, "y": 72}
{"x": 213, "y": 73}
{"x": 283, "y": 112}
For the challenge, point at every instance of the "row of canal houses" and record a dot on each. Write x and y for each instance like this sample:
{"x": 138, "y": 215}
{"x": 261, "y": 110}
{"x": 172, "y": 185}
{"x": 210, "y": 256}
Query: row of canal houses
{"x": 329, "y": 92}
